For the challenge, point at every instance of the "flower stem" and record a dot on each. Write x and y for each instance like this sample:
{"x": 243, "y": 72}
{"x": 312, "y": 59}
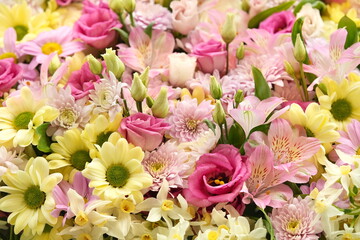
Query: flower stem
{"x": 132, "y": 19}
{"x": 227, "y": 58}
{"x": 226, "y": 130}
{"x": 303, "y": 82}
{"x": 139, "y": 106}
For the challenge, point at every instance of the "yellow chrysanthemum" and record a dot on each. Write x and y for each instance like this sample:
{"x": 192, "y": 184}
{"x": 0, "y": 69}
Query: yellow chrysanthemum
{"x": 71, "y": 153}
{"x": 341, "y": 102}
{"x": 29, "y": 196}
{"x": 20, "y": 17}
{"x": 336, "y": 11}
{"x": 21, "y": 116}
{"x": 118, "y": 171}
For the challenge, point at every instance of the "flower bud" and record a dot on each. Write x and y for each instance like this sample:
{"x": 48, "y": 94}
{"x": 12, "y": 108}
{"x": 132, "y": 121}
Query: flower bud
{"x": 289, "y": 68}
{"x": 138, "y": 89}
{"x": 240, "y": 51}
{"x": 129, "y": 5}
{"x": 144, "y": 76}
{"x": 299, "y": 49}
{"x": 219, "y": 113}
{"x": 54, "y": 64}
{"x": 149, "y": 101}
{"x": 239, "y": 97}
{"x": 245, "y": 5}
{"x": 215, "y": 88}
{"x": 117, "y": 6}
{"x": 113, "y": 63}
{"x": 160, "y": 108}
{"x": 94, "y": 65}
{"x": 228, "y": 30}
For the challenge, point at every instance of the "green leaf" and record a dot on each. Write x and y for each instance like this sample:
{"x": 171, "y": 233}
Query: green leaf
{"x": 123, "y": 35}
{"x": 236, "y": 135}
{"x": 148, "y": 29}
{"x": 45, "y": 140}
{"x": 314, "y": 3}
{"x": 350, "y": 26}
{"x": 262, "y": 89}
{"x": 297, "y": 29}
{"x": 301, "y": 4}
{"x": 256, "y": 20}
{"x": 268, "y": 225}
{"x": 210, "y": 124}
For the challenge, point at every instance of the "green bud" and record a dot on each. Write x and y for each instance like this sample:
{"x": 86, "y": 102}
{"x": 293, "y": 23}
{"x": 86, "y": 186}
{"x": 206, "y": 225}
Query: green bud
{"x": 245, "y": 6}
{"x": 289, "y": 68}
{"x": 54, "y": 64}
{"x": 228, "y": 30}
{"x": 219, "y": 113}
{"x": 113, "y": 63}
{"x": 215, "y": 88}
{"x": 117, "y": 6}
{"x": 138, "y": 89}
{"x": 160, "y": 108}
{"x": 299, "y": 49}
{"x": 239, "y": 97}
{"x": 129, "y": 5}
{"x": 149, "y": 101}
{"x": 145, "y": 76}
{"x": 240, "y": 51}
{"x": 94, "y": 64}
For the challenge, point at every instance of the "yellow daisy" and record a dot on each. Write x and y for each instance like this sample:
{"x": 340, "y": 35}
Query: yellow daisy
{"x": 341, "y": 102}
{"x": 71, "y": 153}
{"x": 118, "y": 171}
{"x": 21, "y": 116}
{"x": 336, "y": 11}
{"x": 29, "y": 198}
{"x": 20, "y": 17}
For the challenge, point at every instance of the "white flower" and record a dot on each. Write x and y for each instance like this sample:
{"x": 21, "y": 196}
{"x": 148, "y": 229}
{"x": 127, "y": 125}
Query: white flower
{"x": 174, "y": 233}
{"x": 9, "y": 161}
{"x": 313, "y": 23}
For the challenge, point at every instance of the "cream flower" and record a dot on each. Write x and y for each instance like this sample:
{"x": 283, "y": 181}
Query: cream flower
{"x": 29, "y": 196}
{"x": 20, "y": 118}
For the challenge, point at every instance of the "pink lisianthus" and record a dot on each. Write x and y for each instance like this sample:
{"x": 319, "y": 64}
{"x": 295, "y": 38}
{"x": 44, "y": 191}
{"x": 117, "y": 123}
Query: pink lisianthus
{"x": 10, "y": 74}
{"x": 184, "y": 15}
{"x": 95, "y": 27}
{"x": 145, "y": 51}
{"x": 218, "y": 177}
{"x": 281, "y": 22}
{"x": 147, "y": 13}
{"x": 82, "y": 81}
{"x": 143, "y": 130}
{"x": 64, "y": 3}
{"x": 210, "y": 55}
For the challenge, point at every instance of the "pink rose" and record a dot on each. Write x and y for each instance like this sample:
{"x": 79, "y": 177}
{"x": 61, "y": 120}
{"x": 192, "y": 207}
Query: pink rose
{"x": 218, "y": 177}
{"x": 143, "y": 130}
{"x": 210, "y": 55}
{"x": 82, "y": 81}
{"x": 184, "y": 15}
{"x": 94, "y": 27}
{"x": 281, "y": 22}
{"x": 10, "y": 73}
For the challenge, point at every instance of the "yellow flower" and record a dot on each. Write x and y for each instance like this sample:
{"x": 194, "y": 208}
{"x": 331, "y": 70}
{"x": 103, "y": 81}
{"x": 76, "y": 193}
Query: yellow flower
{"x": 71, "y": 153}
{"x": 341, "y": 103}
{"x": 336, "y": 11}
{"x": 21, "y": 116}
{"x": 22, "y": 20}
{"x": 29, "y": 196}
{"x": 118, "y": 171}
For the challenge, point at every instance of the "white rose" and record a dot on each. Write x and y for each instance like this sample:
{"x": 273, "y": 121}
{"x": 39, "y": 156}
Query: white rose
{"x": 184, "y": 15}
{"x": 181, "y": 69}
{"x": 313, "y": 23}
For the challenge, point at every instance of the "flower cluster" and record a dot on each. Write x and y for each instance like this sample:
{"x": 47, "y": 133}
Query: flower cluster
{"x": 179, "y": 119}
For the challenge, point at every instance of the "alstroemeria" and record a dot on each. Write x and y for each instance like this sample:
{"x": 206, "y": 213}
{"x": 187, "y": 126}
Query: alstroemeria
{"x": 252, "y": 112}
{"x": 145, "y": 51}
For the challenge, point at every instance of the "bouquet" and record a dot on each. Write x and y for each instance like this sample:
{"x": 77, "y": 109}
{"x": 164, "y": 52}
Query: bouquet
{"x": 179, "y": 119}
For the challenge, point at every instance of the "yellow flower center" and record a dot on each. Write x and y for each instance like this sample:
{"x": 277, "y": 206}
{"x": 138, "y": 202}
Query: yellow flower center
{"x": 127, "y": 206}
{"x": 348, "y": 236}
{"x": 34, "y": 197}
{"x": 81, "y": 219}
{"x": 167, "y": 205}
{"x": 157, "y": 166}
{"x": 191, "y": 124}
{"x": 212, "y": 235}
{"x": 293, "y": 226}
{"x": 21, "y": 31}
{"x": 79, "y": 159}
{"x": 146, "y": 237}
{"x": 102, "y": 137}
{"x": 341, "y": 109}
{"x": 219, "y": 179}
{"x": 320, "y": 206}
{"x": 358, "y": 151}
{"x": 22, "y": 120}
{"x": 8, "y": 55}
{"x": 84, "y": 236}
{"x": 67, "y": 117}
{"x": 345, "y": 169}
{"x": 223, "y": 227}
{"x": 176, "y": 237}
{"x": 117, "y": 175}
{"x": 51, "y": 47}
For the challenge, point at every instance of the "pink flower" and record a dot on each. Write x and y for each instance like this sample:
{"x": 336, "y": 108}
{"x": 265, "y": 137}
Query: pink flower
{"x": 210, "y": 55}
{"x": 145, "y": 51}
{"x": 350, "y": 140}
{"x": 10, "y": 74}
{"x": 218, "y": 177}
{"x": 94, "y": 27}
{"x": 143, "y": 130}
{"x": 82, "y": 81}
{"x": 187, "y": 121}
{"x": 296, "y": 220}
{"x": 63, "y": 2}
{"x": 281, "y": 22}
{"x": 150, "y": 13}
{"x": 59, "y": 40}
{"x": 184, "y": 15}
{"x": 10, "y": 50}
